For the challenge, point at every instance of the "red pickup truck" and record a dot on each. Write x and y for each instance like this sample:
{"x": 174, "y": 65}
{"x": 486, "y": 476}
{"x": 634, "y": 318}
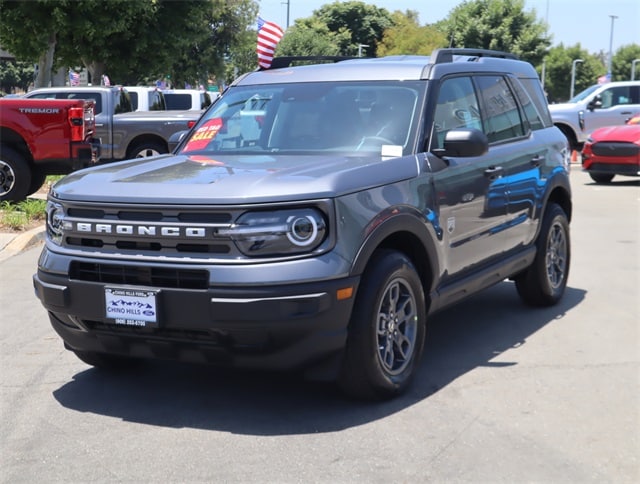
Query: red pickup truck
{"x": 40, "y": 137}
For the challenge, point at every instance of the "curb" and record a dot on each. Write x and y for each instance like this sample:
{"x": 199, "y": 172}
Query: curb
{"x": 22, "y": 242}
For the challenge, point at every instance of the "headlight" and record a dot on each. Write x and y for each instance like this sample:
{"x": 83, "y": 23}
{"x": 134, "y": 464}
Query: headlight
{"x": 282, "y": 232}
{"x": 55, "y": 222}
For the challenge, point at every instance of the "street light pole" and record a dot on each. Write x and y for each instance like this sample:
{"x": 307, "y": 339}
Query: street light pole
{"x": 287, "y": 2}
{"x": 633, "y": 69}
{"x": 613, "y": 17}
{"x": 573, "y": 74}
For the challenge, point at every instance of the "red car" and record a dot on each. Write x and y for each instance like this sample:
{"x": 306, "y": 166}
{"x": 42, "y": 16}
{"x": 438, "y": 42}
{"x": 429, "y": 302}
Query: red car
{"x": 613, "y": 150}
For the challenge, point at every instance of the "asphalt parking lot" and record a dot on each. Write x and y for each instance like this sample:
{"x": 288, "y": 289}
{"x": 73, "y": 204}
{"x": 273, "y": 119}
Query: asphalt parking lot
{"x": 504, "y": 393}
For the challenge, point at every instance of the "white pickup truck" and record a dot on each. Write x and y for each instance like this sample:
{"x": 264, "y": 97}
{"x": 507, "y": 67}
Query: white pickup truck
{"x": 188, "y": 99}
{"x": 597, "y": 106}
{"x": 124, "y": 134}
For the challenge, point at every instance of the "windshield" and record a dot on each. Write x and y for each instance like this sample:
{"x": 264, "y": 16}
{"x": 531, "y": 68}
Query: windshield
{"x": 584, "y": 94}
{"x": 310, "y": 117}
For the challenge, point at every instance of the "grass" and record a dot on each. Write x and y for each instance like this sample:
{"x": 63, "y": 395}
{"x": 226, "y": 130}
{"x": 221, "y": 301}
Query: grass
{"x": 27, "y": 213}
{"x": 22, "y": 215}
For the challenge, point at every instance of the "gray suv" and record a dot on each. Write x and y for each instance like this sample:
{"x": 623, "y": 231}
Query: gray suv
{"x": 314, "y": 218}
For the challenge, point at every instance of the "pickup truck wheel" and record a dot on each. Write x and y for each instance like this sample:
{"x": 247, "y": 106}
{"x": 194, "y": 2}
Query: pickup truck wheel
{"x": 387, "y": 329}
{"x": 15, "y": 175}
{"x": 37, "y": 180}
{"x": 106, "y": 362}
{"x": 544, "y": 282}
{"x": 601, "y": 177}
{"x": 146, "y": 149}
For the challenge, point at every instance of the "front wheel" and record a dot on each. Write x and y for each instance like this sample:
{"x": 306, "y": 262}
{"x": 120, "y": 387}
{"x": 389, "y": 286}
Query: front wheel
{"x": 15, "y": 175}
{"x": 601, "y": 177}
{"x": 544, "y": 282}
{"x": 387, "y": 329}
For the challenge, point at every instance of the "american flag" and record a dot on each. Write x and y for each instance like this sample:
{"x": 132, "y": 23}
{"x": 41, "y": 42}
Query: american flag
{"x": 269, "y": 34}
{"x": 74, "y": 78}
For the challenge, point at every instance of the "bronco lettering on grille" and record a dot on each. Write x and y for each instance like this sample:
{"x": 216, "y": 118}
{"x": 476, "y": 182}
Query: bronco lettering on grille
{"x": 140, "y": 230}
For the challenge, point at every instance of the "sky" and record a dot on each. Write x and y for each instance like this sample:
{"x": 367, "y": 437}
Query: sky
{"x": 587, "y": 22}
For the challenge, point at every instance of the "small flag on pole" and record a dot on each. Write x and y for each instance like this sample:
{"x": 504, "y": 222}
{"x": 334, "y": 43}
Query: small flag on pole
{"x": 269, "y": 34}
{"x": 105, "y": 80}
{"x": 74, "y": 78}
{"x": 604, "y": 79}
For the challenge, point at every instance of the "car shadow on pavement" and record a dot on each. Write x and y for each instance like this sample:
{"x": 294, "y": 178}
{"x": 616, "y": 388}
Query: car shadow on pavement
{"x": 177, "y": 395}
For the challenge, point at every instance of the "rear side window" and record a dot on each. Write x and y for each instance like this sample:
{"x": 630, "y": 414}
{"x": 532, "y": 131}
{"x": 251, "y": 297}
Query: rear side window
{"x": 178, "y": 101}
{"x": 534, "y": 118}
{"x": 122, "y": 102}
{"x": 536, "y": 94}
{"x": 134, "y": 99}
{"x": 500, "y": 114}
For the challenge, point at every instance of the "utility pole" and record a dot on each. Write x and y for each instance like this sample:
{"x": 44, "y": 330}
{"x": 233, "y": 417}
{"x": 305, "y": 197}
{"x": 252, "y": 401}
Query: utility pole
{"x": 609, "y": 73}
{"x": 573, "y": 75}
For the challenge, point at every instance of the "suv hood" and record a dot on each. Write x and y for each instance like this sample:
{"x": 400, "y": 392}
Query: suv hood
{"x": 238, "y": 179}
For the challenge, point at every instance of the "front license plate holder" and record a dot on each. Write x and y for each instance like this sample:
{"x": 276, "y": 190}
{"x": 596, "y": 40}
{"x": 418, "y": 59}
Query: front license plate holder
{"x": 131, "y": 306}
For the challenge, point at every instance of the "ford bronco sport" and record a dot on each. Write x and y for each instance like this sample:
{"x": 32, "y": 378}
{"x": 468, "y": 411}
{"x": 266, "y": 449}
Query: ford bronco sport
{"x": 314, "y": 218}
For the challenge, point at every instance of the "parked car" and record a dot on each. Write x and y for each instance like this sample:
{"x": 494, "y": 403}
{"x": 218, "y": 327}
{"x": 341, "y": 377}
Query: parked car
{"x": 40, "y": 137}
{"x": 187, "y": 99}
{"x": 144, "y": 98}
{"x": 314, "y": 219}
{"x": 597, "y": 106}
{"x": 123, "y": 133}
{"x": 613, "y": 150}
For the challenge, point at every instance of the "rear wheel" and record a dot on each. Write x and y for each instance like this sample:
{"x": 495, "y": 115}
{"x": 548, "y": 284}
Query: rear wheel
{"x": 146, "y": 149}
{"x": 544, "y": 282}
{"x": 15, "y": 175}
{"x": 387, "y": 329}
{"x": 601, "y": 177}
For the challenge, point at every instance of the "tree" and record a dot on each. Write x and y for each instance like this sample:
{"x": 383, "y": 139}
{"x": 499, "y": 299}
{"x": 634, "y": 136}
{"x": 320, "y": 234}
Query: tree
{"x": 406, "y": 36}
{"x": 559, "y": 64}
{"x": 311, "y": 36}
{"x": 498, "y": 25}
{"x": 15, "y": 74}
{"x": 364, "y": 23}
{"x": 622, "y": 62}
{"x": 132, "y": 42}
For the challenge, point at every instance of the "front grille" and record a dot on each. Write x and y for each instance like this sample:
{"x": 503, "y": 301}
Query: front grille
{"x": 191, "y": 231}
{"x": 616, "y": 149}
{"x": 144, "y": 276}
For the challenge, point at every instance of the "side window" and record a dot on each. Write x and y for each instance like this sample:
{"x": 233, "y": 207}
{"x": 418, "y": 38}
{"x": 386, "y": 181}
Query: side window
{"x": 122, "y": 102}
{"x": 457, "y": 107}
{"x": 86, "y": 95}
{"x": 616, "y": 96}
{"x": 501, "y": 116}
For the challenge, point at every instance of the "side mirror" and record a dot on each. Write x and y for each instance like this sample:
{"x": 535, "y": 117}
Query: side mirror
{"x": 175, "y": 139}
{"x": 595, "y": 103}
{"x": 464, "y": 142}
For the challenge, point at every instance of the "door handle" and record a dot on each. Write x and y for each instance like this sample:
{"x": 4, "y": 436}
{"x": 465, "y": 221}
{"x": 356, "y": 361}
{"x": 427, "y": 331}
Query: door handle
{"x": 493, "y": 172}
{"x": 537, "y": 160}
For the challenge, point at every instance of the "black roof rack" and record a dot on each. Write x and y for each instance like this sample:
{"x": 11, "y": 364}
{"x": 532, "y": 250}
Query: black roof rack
{"x": 441, "y": 56}
{"x": 286, "y": 61}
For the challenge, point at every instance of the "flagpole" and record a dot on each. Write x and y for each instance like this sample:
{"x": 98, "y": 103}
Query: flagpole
{"x": 287, "y": 2}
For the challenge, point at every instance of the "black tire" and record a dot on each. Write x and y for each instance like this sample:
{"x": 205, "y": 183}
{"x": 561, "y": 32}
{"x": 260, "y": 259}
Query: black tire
{"x": 386, "y": 331}
{"x": 601, "y": 177}
{"x": 37, "y": 180}
{"x": 106, "y": 362}
{"x": 15, "y": 175}
{"x": 544, "y": 282}
{"x": 146, "y": 149}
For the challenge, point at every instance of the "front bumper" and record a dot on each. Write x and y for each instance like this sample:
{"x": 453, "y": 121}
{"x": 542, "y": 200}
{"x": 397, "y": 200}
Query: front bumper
{"x": 266, "y": 327}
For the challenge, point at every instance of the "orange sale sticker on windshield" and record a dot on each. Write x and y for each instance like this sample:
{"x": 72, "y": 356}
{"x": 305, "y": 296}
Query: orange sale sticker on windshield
{"x": 203, "y": 135}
